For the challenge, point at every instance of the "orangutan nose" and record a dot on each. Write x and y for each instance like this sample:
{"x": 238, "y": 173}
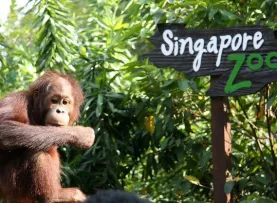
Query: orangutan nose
{"x": 59, "y": 111}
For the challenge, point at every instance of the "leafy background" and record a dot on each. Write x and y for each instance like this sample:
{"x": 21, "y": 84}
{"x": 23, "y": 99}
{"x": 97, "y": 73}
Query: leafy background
{"x": 152, "y": 125}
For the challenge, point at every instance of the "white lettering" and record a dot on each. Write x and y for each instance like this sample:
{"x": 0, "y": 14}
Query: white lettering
{"x": 166, "y": 36}
{"x": 256, "y": 43}
{"x": 175, "y": 46}
{"x": 236, "y": 42}
{"x": 212, "y": 45}
{"x": 246, "y": 38}
{"x": 184, "y": 43}
{"x": 225, "y": 42}
{"x": 198, "y": 46}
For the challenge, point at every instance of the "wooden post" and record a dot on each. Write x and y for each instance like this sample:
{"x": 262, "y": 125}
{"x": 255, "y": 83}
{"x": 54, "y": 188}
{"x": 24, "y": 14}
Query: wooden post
{"x": 221, "y": 146}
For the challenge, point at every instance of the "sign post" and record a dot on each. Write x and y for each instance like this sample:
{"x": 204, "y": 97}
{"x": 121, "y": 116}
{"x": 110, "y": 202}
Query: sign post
{"x": 240, "y": 61}
{"x": 221, "y": 145}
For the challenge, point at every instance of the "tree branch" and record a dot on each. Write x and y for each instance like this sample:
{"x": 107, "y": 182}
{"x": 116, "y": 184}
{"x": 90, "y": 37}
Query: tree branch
{"x": 271, "y": 139}
{"x": 257, "y": 142}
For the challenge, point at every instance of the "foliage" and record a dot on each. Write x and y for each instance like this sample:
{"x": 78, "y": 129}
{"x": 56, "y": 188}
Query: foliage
{"x": 152, "y": 125}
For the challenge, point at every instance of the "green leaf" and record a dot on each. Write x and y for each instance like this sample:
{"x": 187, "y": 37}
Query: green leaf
{"x": 183, "y": 84}
{"x": 212, "y": 12}
{"x": 111, "y": 105}
{"x": 99, "y": 105}
{"x": 164, "y": 143}
{"x": 207, "y": 155}
{"x": 228, "y": 14}
{"x": 11, "y": 77}
{"x": 271, "y": 100}
{"x": 114, "y": 95}
{"x": 259, "y": 200}
{"x": 168, "y": 83}
{"x": 87, "y": 104}
{"x": 45, "y": 19}
{"x": 119, "y": 23}
{"x": 185, "y": 3}
{"x": 192, "y": 180}
{"x": 264, "y": 200}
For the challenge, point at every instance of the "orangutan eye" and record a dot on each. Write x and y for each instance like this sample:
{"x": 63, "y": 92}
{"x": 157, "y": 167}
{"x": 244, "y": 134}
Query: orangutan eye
{"x": 54, "y": 101}
{"x": 65, "y": 102}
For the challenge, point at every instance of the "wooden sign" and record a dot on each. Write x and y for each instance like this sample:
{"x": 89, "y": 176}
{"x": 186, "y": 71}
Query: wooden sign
{"x": 245, "y": 58}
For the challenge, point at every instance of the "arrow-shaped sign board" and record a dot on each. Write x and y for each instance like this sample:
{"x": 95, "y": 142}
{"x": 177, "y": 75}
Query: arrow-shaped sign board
{"x": 244, "y": 57}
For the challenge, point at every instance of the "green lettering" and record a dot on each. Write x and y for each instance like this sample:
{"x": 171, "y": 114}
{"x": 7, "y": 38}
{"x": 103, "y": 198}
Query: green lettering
{"x": 230, "y": 87}
{"x": 268, "y": 60}
{"x": 258, "y": 65}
